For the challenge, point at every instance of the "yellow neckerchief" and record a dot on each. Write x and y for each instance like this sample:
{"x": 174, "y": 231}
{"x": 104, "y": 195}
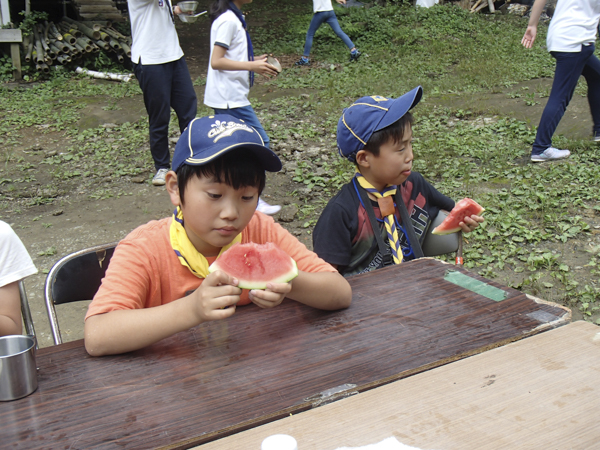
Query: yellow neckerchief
{"x": 386, "y": 206}
{"x": 185, "y": 250}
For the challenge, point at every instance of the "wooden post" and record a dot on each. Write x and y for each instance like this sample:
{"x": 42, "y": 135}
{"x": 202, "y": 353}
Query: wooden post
{"x": 491, "y": 5}
{"x": 14, "y": 37}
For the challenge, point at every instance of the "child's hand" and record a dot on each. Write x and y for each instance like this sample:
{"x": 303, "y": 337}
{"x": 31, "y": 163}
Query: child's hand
{"x": 261, "y": 66}
{"x": 470, "y": 223}
{"x": 216, "y": 297}
{"x": 341, "y": 2}
{"x": 272, "y": 296}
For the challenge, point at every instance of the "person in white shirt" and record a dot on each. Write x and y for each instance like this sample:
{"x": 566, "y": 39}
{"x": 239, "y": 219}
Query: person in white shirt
{"x": 15, "y": 264}
{"x": 163, "y": 75}
{"x": 570, "y": 40}
{"x": 323, "y": 13}
{"x": 231, "y": 70}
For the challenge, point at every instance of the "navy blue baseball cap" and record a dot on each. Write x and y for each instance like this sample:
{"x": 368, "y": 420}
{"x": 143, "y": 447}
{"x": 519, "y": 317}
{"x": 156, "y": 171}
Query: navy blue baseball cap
{"x": 369, "y": 114}
{"x": 207, "y": 138}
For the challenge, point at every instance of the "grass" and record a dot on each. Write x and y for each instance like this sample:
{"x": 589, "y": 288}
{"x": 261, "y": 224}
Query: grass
{"x": 539, "y": 234}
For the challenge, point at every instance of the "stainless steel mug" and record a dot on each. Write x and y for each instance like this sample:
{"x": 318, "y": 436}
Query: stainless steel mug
{"x": 18, "y": 371}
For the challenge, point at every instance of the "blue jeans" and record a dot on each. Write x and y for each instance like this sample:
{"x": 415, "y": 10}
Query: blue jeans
{"x": 165, "y": 86}
{"x": 318, "y": 19}
{"x": 247, "y": 114}
{"x": 569, "y": 67}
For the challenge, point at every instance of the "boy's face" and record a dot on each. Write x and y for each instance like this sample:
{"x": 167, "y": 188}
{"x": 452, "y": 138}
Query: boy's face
{"x": 394, "y": 163}
{"x": 214, "y": 213}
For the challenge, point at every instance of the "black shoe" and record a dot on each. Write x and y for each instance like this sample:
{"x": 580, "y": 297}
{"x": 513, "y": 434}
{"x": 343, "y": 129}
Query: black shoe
{"x": 354, "y": 56}
{"x": 302, "y": 62}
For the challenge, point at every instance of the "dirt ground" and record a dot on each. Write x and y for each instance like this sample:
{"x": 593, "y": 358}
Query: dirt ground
{"x": 78, "y": 222}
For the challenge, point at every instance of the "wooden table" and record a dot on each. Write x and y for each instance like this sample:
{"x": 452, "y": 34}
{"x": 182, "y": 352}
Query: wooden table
{"x": 538, "y": 393}
{"x": 261, "y": 365}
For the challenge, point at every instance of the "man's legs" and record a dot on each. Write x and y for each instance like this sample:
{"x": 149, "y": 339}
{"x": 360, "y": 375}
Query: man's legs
{"x": 317, "y": 20}
{"x": 155, "y": 82}
{"x": 183, "y": 96}
{"x": 569, "y": 67}
{"x": 335, "y": 26}
{"x": 591, "y": 72}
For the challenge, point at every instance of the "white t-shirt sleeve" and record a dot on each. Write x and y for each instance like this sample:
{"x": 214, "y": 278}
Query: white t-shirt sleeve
{"x": 15, "y": 262}
{"x": 225, "y": 33}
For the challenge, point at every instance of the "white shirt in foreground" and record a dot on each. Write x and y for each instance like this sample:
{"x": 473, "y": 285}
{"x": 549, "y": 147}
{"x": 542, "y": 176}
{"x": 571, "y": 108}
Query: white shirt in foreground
{"x": 15, "y": 262}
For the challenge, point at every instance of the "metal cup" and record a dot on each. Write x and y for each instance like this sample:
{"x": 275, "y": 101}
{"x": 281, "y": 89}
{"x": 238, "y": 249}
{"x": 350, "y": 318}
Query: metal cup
{"x": 18, "y": 371}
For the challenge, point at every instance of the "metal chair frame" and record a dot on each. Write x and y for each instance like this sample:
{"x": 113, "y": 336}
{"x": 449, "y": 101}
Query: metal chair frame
{"x": 26, "y": 312}
{"x": 50, "y": 295}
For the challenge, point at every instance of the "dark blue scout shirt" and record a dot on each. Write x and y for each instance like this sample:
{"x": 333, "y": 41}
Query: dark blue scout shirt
{"x": 343, "y": 235}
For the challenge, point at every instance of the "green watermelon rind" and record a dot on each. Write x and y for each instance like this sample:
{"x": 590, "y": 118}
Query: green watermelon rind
{"x": 443, "y": 233}
{"x": 247, "y": 284}
{"x": 453, "y": 230}
{"x": 285, "y": 278}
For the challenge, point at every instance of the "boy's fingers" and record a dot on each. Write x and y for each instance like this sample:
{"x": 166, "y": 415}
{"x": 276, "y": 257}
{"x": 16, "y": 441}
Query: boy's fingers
{"x": 226, "y": 301}
{"x": 219, "y": 278}
{"x": 265, "y": 299}
{"x": 280, "y": 288}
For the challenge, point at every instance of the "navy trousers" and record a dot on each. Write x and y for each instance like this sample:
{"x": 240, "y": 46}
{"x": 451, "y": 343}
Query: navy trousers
{"x": 166, "y": 86}
{"x": 569, "y": 67}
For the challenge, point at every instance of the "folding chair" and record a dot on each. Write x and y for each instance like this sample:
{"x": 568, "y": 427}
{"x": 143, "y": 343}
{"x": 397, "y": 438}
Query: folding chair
{"x": 26, "y": 312}
{"x": 436, "y": 245}
{"x": 76, "y": 277}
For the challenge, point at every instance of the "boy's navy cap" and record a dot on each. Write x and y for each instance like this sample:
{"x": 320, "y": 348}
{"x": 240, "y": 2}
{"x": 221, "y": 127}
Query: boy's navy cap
{"x": 207, "y": 138}
{"x": 369, "y": 114}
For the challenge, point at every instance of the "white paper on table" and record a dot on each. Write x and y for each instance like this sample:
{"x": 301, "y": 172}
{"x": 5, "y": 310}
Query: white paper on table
{"x": 390, "y": 443}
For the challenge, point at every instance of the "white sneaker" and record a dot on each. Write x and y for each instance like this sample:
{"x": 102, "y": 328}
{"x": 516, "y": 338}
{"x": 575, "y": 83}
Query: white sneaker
{"x": 551, "y": 154}
{"x": 159, "y": 178}
{"x": 265, "y": 208}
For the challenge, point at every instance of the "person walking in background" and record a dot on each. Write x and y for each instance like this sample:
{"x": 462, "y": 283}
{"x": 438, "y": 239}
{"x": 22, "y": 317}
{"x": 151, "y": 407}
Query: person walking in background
{"x": 570, "y": 40}
{"x": 15, "y": 264}
{"x": 163, "y": 75}
{"x": 323, "y": 13}
{"x": 231, "y": 69}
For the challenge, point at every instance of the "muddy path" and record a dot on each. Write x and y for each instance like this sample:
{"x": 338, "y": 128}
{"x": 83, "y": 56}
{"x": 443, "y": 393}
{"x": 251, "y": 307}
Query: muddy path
{"x": 76, "y": 221}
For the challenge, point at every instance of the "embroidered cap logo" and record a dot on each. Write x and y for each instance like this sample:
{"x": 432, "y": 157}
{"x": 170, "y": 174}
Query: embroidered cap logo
{"x": 379, "y": 98}
{"x": 221, "y": 129}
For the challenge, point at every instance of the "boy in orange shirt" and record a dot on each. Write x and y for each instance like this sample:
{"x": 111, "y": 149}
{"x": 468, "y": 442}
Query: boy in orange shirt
{"x": 158, "y": 283}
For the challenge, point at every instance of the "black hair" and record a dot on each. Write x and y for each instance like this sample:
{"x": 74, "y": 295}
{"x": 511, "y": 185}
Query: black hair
{"x": 393, "y": 132}
{"x": 238, "y": 168}
{"x": 217, "y": 8}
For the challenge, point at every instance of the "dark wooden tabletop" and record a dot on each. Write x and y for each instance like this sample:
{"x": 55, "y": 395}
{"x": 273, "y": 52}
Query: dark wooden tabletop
{"x": 260, "y": 365}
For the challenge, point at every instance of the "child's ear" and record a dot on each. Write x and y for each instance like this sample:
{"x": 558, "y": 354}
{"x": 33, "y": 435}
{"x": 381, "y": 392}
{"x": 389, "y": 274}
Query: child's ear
{"x": 172, "y": 187}
{"x": 361, "y": 159}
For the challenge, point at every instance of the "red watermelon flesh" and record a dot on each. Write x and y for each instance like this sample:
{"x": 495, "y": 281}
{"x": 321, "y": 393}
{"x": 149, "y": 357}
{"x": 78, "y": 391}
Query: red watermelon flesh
{"x": 465, "y": 208}
{"x": 255, "y": 265}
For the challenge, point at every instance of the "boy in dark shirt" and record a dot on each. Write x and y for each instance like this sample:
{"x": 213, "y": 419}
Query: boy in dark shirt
{"x": 375, "y": 133}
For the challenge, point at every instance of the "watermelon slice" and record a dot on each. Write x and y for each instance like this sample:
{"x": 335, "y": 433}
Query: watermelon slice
{"x": 465, "y": 208}
{"x": 255, "y": 265}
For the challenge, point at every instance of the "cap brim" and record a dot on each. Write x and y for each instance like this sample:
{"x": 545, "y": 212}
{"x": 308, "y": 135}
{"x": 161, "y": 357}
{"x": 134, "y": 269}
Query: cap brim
{"x": 268, "y": 159}
{"x": 400, "y": 107}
